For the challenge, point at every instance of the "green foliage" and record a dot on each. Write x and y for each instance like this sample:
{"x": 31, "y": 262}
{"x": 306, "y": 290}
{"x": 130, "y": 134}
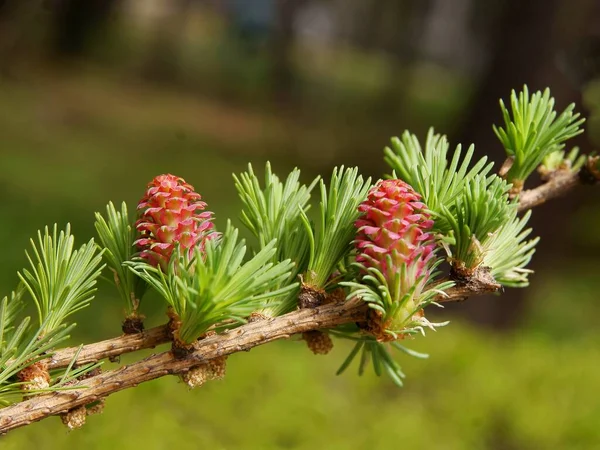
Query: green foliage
{"x": 486, "y": 231}
{"x": 480, "y": 209}
{"x": 507, "y": 252}
{"x": 22, "y": 345}
{"x": 473, "y": 215}
{"x": 533, "y": 131}
{"x": 558, "y": 160}
{"x": 401, "y": 316}
{"x": 276, "y": 212}
{"x": 21, "y": 349}
{"x": 331, "y": 241}
{"x": 399, "y": 303}
{"x": 377, "y": 353}
{"x": 216, "y": 285}
{"x": 11, "y": 308}
{"x": 117, "y": 235}
{"x": 62, "y": 280}
{"x": 427, "y": 170}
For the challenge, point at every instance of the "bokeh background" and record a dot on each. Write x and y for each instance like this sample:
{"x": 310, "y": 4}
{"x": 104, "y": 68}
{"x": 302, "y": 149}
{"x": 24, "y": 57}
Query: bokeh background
{"x": 99, "y": 96}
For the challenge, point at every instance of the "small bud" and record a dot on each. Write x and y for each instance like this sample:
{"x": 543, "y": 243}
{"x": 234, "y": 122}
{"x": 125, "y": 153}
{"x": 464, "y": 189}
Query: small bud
{"x": 75, "y": 418}
{"x": 196, "y": 376}
{"x": 318, "y": 342}
{"x": 35, "y": 377}
{"x": 214, "y": 369}
{"x": 217, "y": 368}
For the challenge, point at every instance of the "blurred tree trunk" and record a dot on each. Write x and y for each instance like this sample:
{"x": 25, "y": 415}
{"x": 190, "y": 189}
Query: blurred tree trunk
{"x": 400, "y": 29}
{"x": 391, "y": 31}
{"x": 365, "y": 23}
{"x": 16, "y": 18}
{"x": 77, "y": 23}
{"x": 524, "y": 44}
{"x": 282, "y": 44}
{"x": 9, "y": 11}
{"x": 163, "y": 62}
{"x": 520, "y": 44}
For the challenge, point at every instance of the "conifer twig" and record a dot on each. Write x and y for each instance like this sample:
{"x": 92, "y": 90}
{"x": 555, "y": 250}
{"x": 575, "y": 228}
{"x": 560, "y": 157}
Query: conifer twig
{"x": 115, "y": 347}
{"x": 560, "y": 183}
{"x": 242, "y": 338}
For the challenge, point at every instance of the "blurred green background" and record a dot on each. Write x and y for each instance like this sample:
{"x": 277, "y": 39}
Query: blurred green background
{"x": 98, "y": 97}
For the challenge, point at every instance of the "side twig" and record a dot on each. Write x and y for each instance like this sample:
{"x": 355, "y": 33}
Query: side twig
{"x": 558, "y": 185}
{"x": 553, "y": 188}
{"x": 110, "y": 348}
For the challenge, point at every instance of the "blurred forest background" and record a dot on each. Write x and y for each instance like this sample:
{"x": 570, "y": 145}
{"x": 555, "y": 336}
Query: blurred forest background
{"x": 99, "y": 96}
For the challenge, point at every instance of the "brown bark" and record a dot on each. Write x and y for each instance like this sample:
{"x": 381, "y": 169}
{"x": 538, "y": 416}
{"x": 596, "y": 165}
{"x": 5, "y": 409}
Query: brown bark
{"x": 111, "y": 348}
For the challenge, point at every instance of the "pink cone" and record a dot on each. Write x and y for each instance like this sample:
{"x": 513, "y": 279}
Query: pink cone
{"x": 395, "y": 223}
{"x": 169, "y": 215}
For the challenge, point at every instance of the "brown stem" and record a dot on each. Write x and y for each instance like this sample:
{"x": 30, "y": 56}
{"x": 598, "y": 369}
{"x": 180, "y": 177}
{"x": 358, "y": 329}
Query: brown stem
{"x": 556, "y": 186}
{"x": 559, "y": 184}
{"x": 159, "y": 365}
{"x": 110, "y": 348}
{"x": 478, "y": 282}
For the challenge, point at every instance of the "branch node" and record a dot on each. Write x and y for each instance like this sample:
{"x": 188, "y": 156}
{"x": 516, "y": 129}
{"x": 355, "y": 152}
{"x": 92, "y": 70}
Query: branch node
{"x": 506, "y": 165}
{"x": 214, "y": 369}
{"x": 36, "y": 377}
{"x": 475, "y": 281}
{"x": 310, "y": 297}
{"x": 133, "y": 324}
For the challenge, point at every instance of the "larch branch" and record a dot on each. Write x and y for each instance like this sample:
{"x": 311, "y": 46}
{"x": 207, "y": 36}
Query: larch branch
{"x": 236, "y": 340}
{"x": 129, "y": 343}
{"x": 558, "y": 185}
{"x": 242, "y": 338}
